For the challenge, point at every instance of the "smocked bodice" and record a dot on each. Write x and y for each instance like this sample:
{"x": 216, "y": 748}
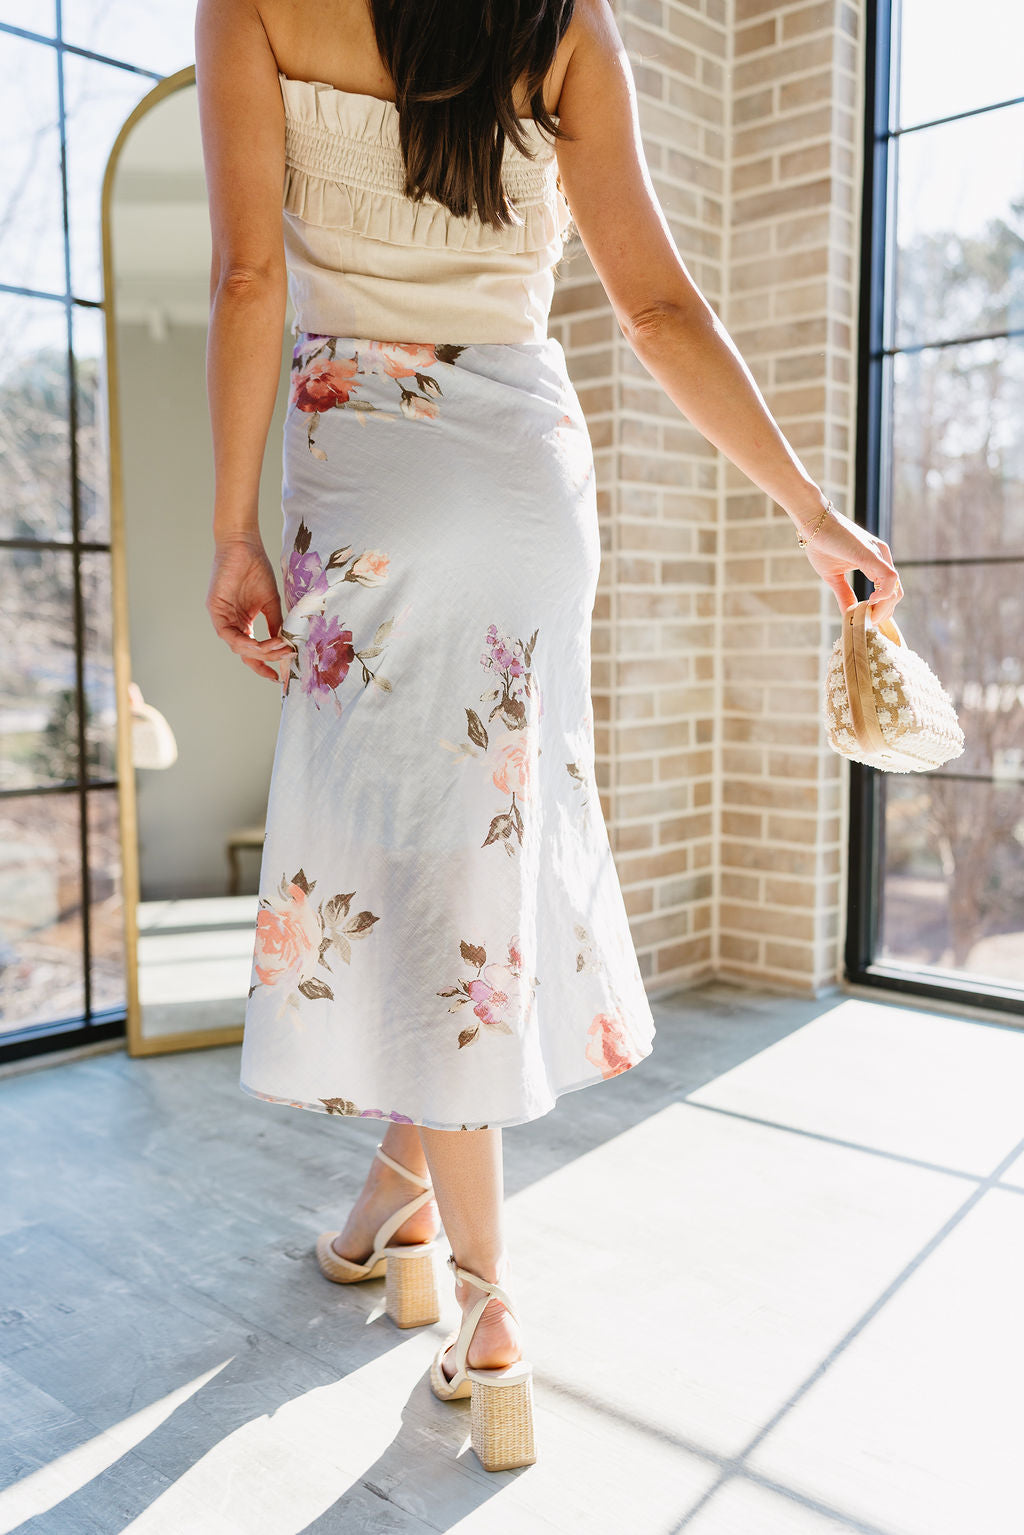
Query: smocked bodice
{"x": 366, "y": 260}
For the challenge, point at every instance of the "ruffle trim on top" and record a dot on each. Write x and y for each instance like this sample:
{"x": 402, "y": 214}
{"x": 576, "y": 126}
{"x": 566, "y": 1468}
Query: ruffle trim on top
{"x": 344, "y": 169}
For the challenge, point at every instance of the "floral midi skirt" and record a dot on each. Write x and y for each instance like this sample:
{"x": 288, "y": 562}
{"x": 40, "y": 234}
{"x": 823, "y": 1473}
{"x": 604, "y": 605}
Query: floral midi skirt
{"x": 441, "y": 937}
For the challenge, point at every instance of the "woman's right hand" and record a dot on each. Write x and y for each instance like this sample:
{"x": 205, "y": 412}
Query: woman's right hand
{"x": 840, "y": 545}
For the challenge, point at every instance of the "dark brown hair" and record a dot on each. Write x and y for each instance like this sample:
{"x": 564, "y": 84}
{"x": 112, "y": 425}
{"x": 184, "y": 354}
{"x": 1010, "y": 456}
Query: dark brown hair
{"x": 455, "y": 65}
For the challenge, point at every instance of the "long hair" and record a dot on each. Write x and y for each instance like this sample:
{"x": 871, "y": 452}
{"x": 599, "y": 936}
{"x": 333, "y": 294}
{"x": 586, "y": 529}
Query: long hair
{"x": 454, "y": 64}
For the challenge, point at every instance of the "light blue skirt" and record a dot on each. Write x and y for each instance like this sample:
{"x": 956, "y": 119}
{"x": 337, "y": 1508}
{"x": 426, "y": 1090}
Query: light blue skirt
{"x": 441, "y": 936}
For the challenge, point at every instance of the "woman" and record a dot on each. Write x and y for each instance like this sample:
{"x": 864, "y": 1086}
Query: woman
{"x": 441, "y": 939}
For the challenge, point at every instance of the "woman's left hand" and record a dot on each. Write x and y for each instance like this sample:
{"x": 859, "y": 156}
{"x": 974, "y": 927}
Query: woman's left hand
{"x": 243, "y": 584}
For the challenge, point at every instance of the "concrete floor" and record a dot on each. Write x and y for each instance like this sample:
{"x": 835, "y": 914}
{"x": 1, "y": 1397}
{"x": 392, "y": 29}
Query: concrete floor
{"x": 771, "y": 1282}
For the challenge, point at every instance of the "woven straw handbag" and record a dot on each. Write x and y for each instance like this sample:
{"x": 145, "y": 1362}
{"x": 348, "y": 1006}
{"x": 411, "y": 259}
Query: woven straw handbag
{"x": 153, "y": 743}
{"x": 884, "y": 706}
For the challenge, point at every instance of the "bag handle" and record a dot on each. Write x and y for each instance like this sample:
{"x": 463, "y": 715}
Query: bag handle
{"x": 857, "y": 671}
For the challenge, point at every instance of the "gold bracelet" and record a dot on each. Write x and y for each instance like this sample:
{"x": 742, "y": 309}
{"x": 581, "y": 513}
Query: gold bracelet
{"x": 803, "y": 542}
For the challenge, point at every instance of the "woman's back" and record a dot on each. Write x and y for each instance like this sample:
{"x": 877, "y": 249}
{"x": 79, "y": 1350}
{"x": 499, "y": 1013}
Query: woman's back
{"x": 365, "y": 259}
{"x": 341, "y": 50}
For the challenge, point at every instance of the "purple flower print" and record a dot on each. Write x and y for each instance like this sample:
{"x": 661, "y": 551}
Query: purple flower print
{"x": 346, "y": 1106}
{"x": 303, "y": 573}
{"x": 506, "y": 655}
{"x": 324, "y": 654}
{"x": 329, "y": 654}
{"x": 499, "y": 992}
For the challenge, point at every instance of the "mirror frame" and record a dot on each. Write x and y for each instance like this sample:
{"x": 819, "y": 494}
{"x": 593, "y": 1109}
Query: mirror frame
{"x": 138, "y": 1044}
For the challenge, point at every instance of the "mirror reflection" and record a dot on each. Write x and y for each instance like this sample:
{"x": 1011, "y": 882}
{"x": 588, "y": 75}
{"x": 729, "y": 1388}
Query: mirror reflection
{"x": 198, "y": 727}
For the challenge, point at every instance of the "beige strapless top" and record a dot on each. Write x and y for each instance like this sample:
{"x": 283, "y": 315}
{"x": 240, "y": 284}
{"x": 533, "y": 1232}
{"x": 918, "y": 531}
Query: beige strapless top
{"x": 365, "y": 260}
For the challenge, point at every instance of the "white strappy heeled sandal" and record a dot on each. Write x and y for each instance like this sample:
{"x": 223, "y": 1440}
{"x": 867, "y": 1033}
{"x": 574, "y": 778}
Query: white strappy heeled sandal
{"x": 501, "y": 1405}
{"x": 410, "y": 1298}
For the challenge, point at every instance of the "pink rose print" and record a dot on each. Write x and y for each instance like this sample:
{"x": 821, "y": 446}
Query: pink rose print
{"x": 371, "y": 569}
{"x": 512, "y": 759}
{"x": 322, "y": 381}
{"x": 609, "y": 1045}
{"x": 498, "y": 993}
{"x": 515, "y": 764}
{"x": 287, "y": 934}
{"x": 293, "y": 939}
{"x": 396, "y": 359}
{"x": 418, "y": 409}
{"x": 323, "y": 384}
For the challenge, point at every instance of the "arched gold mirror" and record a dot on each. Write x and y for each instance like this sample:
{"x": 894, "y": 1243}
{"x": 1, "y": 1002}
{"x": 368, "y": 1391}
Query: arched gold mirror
{"x": 196, "y": 728}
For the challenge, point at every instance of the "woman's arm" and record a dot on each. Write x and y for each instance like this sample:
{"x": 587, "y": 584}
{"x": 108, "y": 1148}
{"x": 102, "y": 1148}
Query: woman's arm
{"x": 241, "y": 117}
{"x": 670, "y": 326}
{"x": 661, "y": 311}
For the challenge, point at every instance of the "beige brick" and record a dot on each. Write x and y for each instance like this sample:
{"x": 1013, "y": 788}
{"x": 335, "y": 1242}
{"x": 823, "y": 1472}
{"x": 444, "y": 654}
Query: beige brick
{"x": 733, "y": 946}
{"x": 754, "y": 105}
{"x": 764, "y": 919}
{"x": 760, "y": 34}
{"x": 655, "y": 930}
{"x": 683, "y": 891}
{"x": 818, "y": 17}
{"x": 698, "y": 34}
{"x": 746, "y": 10}
{"x": 740, "y": 887}
{"x": 788, "y": 956}
{"x": 790, "y": 892}
{"x": 680, "y": 956}
{"x": 722, "y": 797}
{"x": 658, "y": 50}
{"x": 783, "y": 131}
{"x": 798, "y": 59}
{"x": 631, "y": 836}
{"x": 775, "y": 795}
{"x": 638, "y": 902}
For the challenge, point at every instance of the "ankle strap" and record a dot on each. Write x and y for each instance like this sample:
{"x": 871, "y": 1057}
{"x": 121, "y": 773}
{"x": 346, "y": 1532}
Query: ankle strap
{"x": 424, "y": 1183}
{"x": 483, "y": 1284}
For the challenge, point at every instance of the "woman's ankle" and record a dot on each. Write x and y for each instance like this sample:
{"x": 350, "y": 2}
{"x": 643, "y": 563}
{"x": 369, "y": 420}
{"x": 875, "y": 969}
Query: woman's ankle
{"x": 486, "y": 1264}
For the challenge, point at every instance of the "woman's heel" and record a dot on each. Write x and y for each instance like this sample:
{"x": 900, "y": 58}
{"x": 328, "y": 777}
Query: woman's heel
{"x": 501, "y": 1416}
{"x": 410, "y": 1294}
{"x": 501, "y": 1399}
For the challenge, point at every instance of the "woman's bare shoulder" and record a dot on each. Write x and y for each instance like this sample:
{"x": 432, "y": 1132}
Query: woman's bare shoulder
{"x": 604, "y": 173}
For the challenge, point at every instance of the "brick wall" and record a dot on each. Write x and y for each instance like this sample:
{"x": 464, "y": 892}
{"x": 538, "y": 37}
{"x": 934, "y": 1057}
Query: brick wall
{"x": 725, "y": 806}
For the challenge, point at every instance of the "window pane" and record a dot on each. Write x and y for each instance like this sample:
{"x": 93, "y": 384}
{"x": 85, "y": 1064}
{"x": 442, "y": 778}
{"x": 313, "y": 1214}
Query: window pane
{"x": 958, "y": 452}
{"x": 41, "y": 976}
{"x": 950, "y": 64}
{"x": 35, "y": 474}
{"x": 953, "y": 881}
{"x": 101, "y": 720}
{"x": 159, "y": 37}
{"x": 38, "y": 717}
{"x": 968, "y": 624}
{"x": 40, "y": 17}
{"x": 92, "y": 430}
{"x": 106, "y": 905}
{"x": 31, "y": 202}
{"x": 960, "y": 228}
{"x": 97, "y": 99}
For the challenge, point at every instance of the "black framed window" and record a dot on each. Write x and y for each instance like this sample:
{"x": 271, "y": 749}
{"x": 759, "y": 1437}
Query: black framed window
{"x": 936, "y": 892}
{"x": 72, "y": 71}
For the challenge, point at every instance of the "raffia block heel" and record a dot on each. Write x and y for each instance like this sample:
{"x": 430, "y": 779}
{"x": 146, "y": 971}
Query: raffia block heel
{"x": 501, "y": 1399}
{"x": 501, "y": 1417}
{"x": 410, "y": 1297}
